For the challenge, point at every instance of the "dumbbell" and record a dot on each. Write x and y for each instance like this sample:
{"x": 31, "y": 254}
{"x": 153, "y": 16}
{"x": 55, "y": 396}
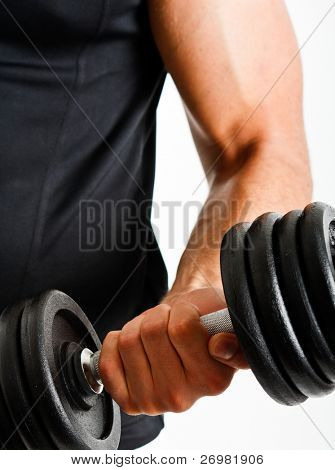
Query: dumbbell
{"x": 278, "y": 278}
{"x": 279, "y": 281}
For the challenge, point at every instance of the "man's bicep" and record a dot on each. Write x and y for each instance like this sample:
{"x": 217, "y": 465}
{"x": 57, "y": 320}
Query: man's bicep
{"x": 232, "y": 61}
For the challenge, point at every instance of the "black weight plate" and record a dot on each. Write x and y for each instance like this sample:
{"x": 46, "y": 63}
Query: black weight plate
{"x": 295, "y": 295}
{"x": 271, "y": 310}
{"x": 317, "y": 265}
{"x": 51, "y": 321}
{"x": 9, "y": 436}
{"x": 235, "y": 278}
{"x": 14, "y": 381}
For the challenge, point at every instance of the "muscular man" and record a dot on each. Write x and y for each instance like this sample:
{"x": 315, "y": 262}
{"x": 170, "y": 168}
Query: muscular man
{"x": 79, "y": 86}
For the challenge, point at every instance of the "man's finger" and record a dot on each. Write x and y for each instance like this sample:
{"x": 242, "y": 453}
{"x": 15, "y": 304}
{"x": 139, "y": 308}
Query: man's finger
{"x": 225, "y": 348}
{"x": 136, "y": 364}
{"x": 190, "y": 340}
{"x": 111, "y": 370}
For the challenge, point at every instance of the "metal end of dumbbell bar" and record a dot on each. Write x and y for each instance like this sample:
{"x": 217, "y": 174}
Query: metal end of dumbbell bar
{"x": 89, "y": 364}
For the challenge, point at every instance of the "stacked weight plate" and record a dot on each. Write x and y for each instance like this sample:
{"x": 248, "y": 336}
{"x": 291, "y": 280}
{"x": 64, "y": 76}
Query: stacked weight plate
{"x": 278, "y": 277}
{"x": 42, "y": 404}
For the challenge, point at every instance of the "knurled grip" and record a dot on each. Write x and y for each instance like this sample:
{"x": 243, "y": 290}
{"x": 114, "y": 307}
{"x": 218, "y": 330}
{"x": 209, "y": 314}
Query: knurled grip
{"x": 216, "y": 322}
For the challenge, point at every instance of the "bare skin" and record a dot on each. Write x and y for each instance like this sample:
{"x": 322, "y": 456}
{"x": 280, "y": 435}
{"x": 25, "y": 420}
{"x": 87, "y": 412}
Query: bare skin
{"x": 226, "y": 57}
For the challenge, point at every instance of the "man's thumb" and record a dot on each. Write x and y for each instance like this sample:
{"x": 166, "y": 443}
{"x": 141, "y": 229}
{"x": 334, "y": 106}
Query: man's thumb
{"x": 224, "y": 347}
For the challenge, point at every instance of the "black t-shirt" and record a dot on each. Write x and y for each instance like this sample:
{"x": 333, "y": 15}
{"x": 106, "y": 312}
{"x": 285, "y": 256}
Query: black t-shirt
{"x": 80, "y": 82}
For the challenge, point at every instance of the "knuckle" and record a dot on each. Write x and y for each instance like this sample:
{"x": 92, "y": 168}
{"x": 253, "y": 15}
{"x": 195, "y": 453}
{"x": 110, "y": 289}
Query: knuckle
{"x": 164, "y": 308}
{"x": 152, "y": 329}
{"x": 178, "y": 403}
{"x": 127, "y": 341}
{"x": 129, "y": 408}
{"x": 110, "y": 336}
{"x": 180, "y": 328}
{"x": 216, "y": 384}
{"x": 151, "y": 409}
{"x": 133, "y": 408}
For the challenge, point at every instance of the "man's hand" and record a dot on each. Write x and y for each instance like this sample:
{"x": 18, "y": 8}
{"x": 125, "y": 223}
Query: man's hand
{"x": 164, "y": 360}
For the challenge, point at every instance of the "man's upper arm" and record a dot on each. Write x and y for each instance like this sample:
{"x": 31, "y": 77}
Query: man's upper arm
{"x": 232, "y": 61}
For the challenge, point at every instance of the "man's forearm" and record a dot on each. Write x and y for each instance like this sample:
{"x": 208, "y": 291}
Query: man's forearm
{"x": 268, "y": 180}
{"x": 237, "y": 68}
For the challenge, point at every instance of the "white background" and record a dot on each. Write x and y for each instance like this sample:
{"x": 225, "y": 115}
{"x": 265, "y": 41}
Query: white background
{"x": 244, "y": 416}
